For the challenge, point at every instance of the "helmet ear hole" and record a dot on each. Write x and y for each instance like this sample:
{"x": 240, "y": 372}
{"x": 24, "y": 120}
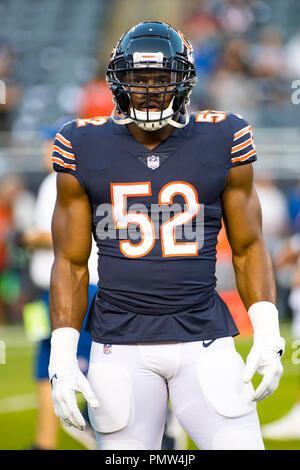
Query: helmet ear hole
{"x": 179, "y": 99}
{"x": 124, "y": 102}
{"x": 121, "y": 99}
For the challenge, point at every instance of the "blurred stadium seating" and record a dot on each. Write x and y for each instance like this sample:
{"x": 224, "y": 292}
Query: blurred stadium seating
{"x": 56, "y": 46}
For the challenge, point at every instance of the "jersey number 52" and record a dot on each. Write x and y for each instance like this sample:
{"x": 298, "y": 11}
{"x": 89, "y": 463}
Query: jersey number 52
{"x": 122, "y": 218}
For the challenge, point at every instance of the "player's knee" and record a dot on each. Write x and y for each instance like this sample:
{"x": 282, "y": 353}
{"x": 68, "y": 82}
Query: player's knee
{"x": 221, "y": 380}
{"x": 121, "y": 444}
{"x": 244, "y": 437}
{"x": 112, "y": 386}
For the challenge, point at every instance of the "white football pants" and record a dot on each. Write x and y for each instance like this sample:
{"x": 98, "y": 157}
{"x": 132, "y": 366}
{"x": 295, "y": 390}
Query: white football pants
{"x": 202, "y": 379}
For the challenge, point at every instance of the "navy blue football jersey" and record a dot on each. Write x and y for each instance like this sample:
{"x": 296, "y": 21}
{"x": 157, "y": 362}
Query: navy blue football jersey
{"x": 156, "y": 218}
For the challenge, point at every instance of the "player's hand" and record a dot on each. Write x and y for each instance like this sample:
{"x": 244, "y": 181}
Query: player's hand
{"x": 66, "y": 378}
{"x": 265, "y": 358}
{"x": 65, "y": 382}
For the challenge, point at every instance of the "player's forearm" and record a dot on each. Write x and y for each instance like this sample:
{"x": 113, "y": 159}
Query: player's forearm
{"x": 68, "y": 293}
{"x": 254, "y": 274}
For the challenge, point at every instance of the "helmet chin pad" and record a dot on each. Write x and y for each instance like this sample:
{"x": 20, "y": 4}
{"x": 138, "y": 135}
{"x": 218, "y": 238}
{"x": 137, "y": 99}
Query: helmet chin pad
{"x": 152, "y": 126}
{"x": 152, "y": 120}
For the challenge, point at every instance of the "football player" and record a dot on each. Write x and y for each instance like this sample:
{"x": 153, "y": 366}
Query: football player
{"x": 152, "y": 184}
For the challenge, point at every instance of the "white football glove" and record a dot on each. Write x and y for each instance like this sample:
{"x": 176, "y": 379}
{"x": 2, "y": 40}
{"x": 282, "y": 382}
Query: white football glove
{"x": 268, "y": 347}
{"x": 66, "y": 378}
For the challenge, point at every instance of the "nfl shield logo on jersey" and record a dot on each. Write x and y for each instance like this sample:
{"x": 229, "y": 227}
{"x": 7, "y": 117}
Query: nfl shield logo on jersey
{"x": 153, "y": 162}
{"x": 107, "y": 348}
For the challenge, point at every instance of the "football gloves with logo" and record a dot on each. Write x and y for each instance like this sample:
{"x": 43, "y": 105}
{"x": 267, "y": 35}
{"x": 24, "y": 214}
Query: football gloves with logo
{"x": 66, "y": 378}
{"x": 268, "y": 347}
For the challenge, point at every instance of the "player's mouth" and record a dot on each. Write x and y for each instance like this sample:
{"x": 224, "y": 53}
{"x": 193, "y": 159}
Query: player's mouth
{"x": 151, "y": 107}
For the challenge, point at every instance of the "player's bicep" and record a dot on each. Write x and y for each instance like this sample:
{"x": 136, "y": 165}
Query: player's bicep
{"x": 71, "y": 222}
{"x": 241, "y": 209}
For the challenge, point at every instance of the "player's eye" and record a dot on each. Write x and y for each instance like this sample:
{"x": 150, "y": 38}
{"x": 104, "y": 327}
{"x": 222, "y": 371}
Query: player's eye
{"x": 161, "y": 81}
{"x": 138, "y": 80}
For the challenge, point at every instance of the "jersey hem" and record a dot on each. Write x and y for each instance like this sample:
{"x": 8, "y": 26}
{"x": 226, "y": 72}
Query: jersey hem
{"x": 153, "y": 339}
{"x": 250, "y": 160}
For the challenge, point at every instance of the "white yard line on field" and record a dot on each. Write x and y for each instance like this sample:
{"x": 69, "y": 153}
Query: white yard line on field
{"x": 14, "y": 336}
{"x": 23, "y": 402}
{"x": 18, "y": 403}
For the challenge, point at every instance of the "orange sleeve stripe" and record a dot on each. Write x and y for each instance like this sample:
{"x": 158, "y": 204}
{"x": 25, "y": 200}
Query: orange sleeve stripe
{"x": 63, "y": 140}
{"x": 241, "y": 146}
{"x": 62, "y": 163}
{"x": 63, "y": 153}
{"x": 242, "y": 132}
{"x": 244, "y": 157}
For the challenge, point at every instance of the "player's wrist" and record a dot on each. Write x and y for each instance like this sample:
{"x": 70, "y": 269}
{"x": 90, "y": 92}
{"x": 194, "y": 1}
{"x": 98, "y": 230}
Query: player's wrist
{"x": 265, "y": 320}
{"x": 64, "y": 342}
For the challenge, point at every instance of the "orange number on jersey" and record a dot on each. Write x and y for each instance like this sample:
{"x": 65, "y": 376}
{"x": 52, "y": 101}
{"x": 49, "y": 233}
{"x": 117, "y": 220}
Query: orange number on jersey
{"x": 122, "y": 218}
{"x": 210, "y": 116}
{"x": 168, "y": 240}
{"x": 119, "y": 194}
{"x": 96, "y": 121}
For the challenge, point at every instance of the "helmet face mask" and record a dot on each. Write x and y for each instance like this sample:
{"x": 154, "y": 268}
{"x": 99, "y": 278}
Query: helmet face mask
{"x": 151, "y": 75}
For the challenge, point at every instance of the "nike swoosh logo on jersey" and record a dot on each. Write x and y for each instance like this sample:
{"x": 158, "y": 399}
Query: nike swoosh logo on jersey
{"x": 208, "y": 343}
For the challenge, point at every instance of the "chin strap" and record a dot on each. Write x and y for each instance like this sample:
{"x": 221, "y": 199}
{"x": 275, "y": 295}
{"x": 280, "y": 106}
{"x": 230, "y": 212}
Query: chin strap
{"x": 120, "y": 121}
{"x": 180, "y": 124}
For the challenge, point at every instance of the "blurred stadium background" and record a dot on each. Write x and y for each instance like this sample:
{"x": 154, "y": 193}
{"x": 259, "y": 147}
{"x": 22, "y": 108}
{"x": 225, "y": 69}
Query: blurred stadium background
{"x": 53, "y": 56}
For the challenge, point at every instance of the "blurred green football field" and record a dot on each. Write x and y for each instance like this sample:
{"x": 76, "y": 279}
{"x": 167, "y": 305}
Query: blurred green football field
{"x": 18, "y": 400}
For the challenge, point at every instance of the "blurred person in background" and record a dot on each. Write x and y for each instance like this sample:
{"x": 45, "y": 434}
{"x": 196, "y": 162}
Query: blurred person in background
{"x": 12, "y": 92}
{"x": 95, "y": 98}
{"x": 275, "y": 216}
{"x": 288, "y": 426}
{"x": 38, "y": 240}
{"x": 276, "y": 226}
{"x": 16, "y": 205}
{"x": 293, "y": 198}
{"x": 7, "y": 195}
{"x": 231, "y": 86}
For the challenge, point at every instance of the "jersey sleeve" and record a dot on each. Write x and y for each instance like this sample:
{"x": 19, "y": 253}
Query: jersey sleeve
{"x": 63, "y": 156}
{"x": 243, "y": 149}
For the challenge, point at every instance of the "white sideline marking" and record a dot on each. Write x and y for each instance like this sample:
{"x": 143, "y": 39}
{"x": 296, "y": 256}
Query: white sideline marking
{"x": 24, "y": 402}
{"x": 18, "y": 403}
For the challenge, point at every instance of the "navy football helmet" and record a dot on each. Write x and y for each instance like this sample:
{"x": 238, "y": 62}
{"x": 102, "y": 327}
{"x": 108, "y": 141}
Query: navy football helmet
{"x": 151, "y": 75}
